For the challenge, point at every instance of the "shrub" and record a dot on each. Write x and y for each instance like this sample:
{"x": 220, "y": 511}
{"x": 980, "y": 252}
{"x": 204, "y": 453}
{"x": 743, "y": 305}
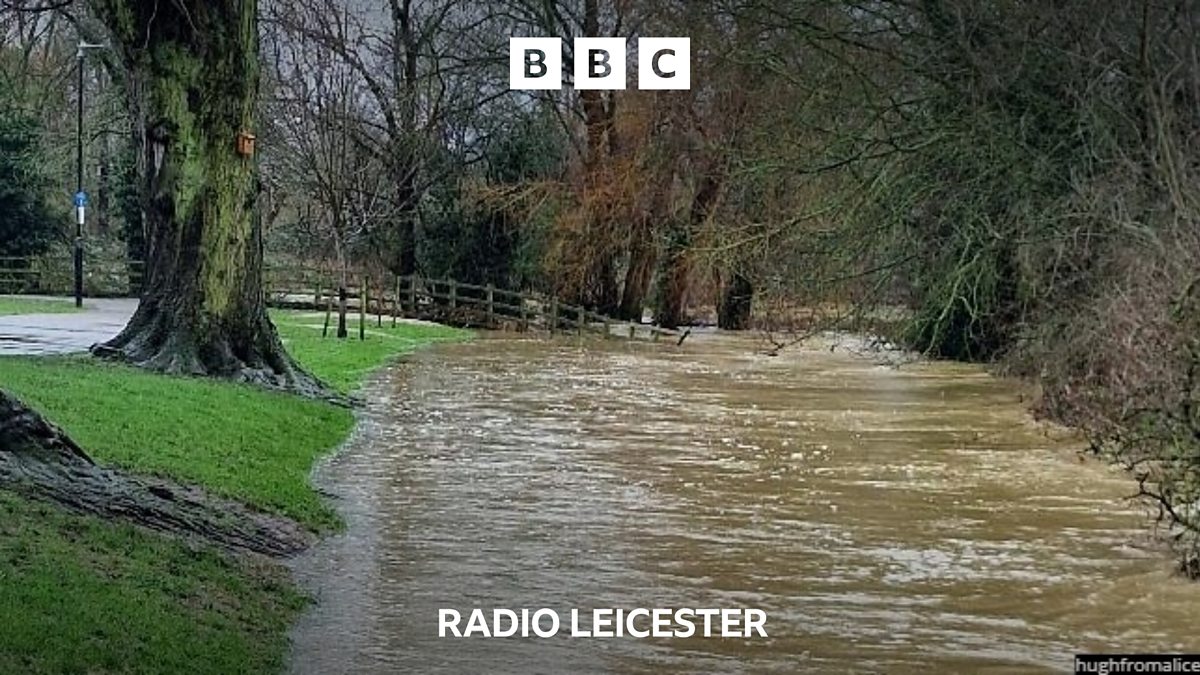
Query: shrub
{"x": 27, "y": 224}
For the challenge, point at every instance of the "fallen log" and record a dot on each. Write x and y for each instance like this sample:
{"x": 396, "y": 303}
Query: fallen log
{"x": 38, "y": 460}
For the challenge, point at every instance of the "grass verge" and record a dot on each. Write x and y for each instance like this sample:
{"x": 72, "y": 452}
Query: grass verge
{"x": 236, "y": 440}
{"x": 79, "y": 594}
{"x": 10, "y": 306}
{"x": 344, "y": 363}
{"x": 84, "y": 595}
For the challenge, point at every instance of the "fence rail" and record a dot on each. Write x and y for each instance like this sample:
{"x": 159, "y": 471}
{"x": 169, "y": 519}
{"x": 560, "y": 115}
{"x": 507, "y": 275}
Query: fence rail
{"x": 447, "y": 301}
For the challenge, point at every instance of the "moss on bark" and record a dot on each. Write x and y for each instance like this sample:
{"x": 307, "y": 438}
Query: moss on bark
{"x": 193, "y": 67}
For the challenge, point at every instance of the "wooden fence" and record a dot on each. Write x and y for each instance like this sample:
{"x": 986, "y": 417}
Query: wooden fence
{"x": 379, "y": 295}
{"x": 55, "y": 275}
{"x": 447, "y": 301}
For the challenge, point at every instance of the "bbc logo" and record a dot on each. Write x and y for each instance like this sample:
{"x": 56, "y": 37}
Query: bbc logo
{"x": 663, "y": 63}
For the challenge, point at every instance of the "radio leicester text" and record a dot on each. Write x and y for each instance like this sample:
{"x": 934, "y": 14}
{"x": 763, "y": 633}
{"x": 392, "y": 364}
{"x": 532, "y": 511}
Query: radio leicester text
{"x": 605, "y": 623}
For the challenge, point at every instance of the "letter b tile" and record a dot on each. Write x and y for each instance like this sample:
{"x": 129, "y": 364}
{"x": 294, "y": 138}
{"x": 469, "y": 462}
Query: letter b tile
{"x": 534, "y": 63}
{"x": 599, "y": 63}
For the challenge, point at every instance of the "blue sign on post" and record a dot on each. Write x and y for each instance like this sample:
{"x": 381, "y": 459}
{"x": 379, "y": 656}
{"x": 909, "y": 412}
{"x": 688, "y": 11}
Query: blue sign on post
{"x": 81, "y": 199}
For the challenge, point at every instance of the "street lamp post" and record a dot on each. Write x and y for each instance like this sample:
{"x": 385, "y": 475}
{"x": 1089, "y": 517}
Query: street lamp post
{"x": 80, "y": 196}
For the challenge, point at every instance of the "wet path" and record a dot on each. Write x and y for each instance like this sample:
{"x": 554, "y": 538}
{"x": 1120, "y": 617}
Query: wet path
{"x": 886, "y": 519}
{"x": 100, "y": 321}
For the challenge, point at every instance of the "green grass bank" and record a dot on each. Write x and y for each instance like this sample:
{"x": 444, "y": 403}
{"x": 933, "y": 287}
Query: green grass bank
{"x": 10, "y": 306}
{"x": 79, "y": 594}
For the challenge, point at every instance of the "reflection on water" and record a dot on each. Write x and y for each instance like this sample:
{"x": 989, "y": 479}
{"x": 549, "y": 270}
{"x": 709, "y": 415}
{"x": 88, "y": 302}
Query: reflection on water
{"x": 886, "y": 519}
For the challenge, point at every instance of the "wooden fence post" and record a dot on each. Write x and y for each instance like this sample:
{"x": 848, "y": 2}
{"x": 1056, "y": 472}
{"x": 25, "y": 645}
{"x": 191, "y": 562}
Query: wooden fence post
{"x": 453, "y": 294}
{"x": 396, "y": 302}
{"x": 632, "y": 331}
{"x": 491, "y": 305}
{"x": 362, "y": 309}
{"x": 554, "y": 315}
{"x": 580, "y": 317}
{"x": 524, "y": 313}
{"x": 379, "y": 305}
{"x": 412, "y": 295}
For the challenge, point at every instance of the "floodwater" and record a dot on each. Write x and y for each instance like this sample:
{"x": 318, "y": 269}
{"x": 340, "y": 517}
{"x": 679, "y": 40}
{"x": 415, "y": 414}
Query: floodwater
{"x": 886, "y": 519}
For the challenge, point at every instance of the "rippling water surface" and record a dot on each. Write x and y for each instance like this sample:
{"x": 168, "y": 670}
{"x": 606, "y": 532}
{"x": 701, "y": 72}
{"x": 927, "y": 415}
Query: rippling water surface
{"x": 886, "y": 519}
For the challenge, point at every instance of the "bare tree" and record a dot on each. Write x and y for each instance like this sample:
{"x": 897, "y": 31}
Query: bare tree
{"x": 324, "y": 159}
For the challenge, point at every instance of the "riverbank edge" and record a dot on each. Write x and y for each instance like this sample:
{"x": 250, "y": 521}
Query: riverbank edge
{"x": 237, "y": 609}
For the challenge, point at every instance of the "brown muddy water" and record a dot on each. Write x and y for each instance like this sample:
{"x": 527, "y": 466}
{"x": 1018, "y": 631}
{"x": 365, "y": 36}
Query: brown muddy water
{"x": 886, "y": 519}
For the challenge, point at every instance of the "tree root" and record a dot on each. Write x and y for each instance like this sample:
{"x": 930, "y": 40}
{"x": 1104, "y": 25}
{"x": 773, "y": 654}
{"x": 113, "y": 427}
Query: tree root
{"x": 171, "y": 341}
{"x": 38, "y": 460}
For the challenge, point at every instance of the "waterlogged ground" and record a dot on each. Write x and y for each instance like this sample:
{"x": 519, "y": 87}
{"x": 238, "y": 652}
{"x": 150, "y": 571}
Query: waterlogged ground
{"x": 897, "y": 520}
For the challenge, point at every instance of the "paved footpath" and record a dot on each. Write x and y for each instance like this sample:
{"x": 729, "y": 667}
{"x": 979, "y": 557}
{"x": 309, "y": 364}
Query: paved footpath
{"x": 101, "y": 320}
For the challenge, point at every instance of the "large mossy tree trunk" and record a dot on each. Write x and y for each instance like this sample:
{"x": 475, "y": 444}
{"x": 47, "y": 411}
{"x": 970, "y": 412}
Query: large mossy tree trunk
{"x": 193, "y": 87}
